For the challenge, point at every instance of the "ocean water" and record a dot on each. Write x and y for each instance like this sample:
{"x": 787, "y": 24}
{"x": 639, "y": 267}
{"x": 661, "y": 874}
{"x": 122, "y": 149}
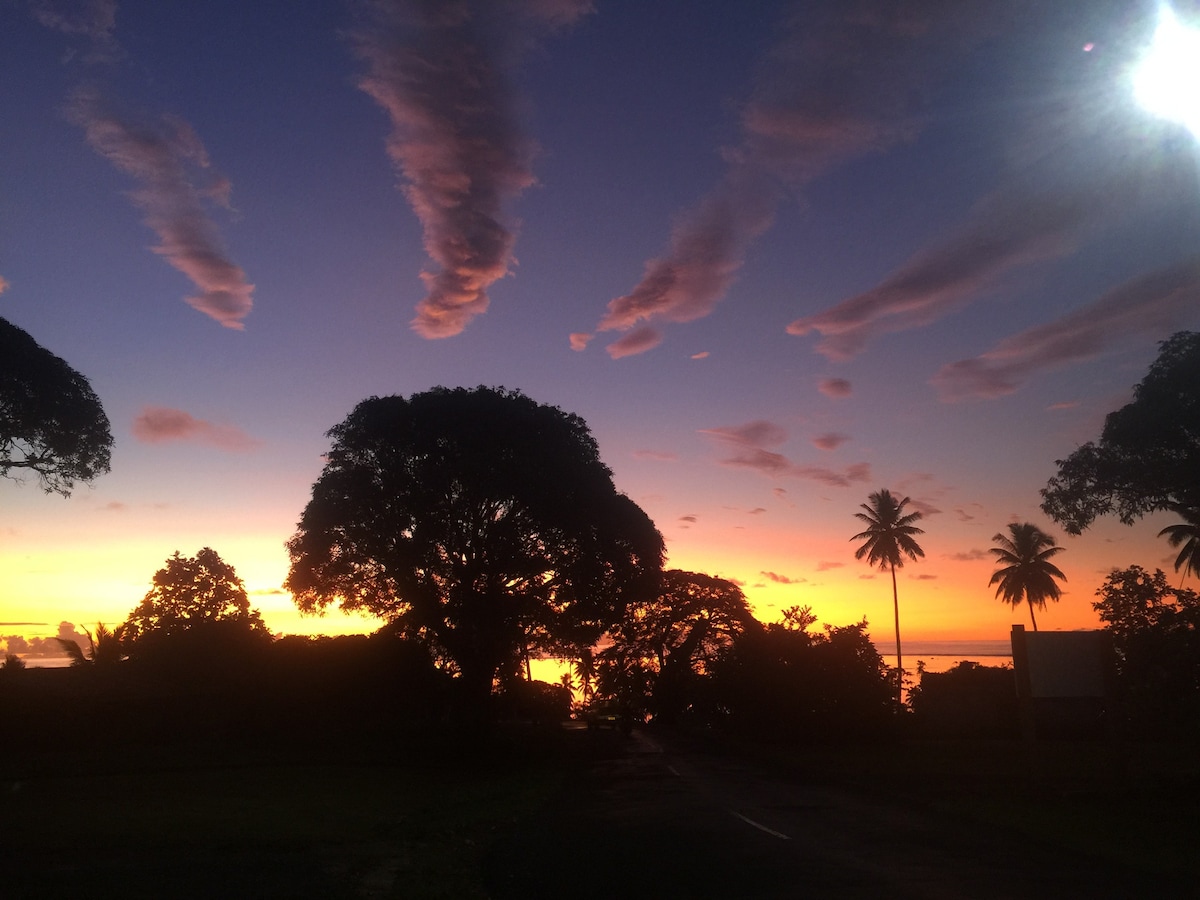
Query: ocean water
{"x": 939, "y": 656}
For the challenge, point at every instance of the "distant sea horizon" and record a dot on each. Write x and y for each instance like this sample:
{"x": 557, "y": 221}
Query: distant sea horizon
{"x": 938, "y": 656}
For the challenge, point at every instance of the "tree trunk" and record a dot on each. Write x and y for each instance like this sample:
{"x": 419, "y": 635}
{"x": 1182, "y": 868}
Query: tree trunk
{"x": 1031, "y": 616}
{"x": 899, "y": 657}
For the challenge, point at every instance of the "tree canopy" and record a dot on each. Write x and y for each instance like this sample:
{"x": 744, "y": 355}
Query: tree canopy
{"x": 188, "y": 593}
{"x": 1148, "y": 455}
{"x": 51, "y": 422}
{"x": 671, "y": 640}
{"x": 477, "y": 521}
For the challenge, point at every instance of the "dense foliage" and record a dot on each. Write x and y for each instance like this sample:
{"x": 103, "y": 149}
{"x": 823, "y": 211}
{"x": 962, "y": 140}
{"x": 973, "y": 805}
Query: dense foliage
{"x": 1156, "y": 636}
{"x": 197, "y": 607}
{"x": 1026, "y": 573}
{"x": 479, "y": 523}
{"x": 51, "y": 422}
{"x": 1148, "y": 455}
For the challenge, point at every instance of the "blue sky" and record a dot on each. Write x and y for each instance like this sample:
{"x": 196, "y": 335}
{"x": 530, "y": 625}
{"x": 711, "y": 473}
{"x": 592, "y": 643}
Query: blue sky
{"x": 777, "y": 255}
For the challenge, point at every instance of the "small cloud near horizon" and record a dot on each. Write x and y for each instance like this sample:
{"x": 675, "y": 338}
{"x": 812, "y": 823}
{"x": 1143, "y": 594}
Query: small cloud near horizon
{"x": 972, "y": 555}
{"x": 703, "y": 354}
{"x": 749, "y": 445}
{"x": 782, "y": 579}
{"x": 827, "y": 565}
{"x": 161, "y": 424}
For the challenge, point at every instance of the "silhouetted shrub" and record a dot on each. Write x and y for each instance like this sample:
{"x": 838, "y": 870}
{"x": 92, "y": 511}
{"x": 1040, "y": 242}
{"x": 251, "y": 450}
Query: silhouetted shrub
{"x": 968, "y": 700}
{"x": 786, "y": 684}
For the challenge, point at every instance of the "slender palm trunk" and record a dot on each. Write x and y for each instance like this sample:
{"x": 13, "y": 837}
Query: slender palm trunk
{"x": 899, "y": 657}
{"x": 1032, "y": 618}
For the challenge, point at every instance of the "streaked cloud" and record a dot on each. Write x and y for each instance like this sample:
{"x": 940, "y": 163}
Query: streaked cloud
{"x": 748, "y": 445}
{"x": 580, "y": 340}
{"x": 835, "y": 388}
{"x": 923, "y": 576}
{"x": 162, "y": 424}
{"x": 839, "y": 84}
{"x": 703, "y": 354}
{"x": 1150, "y": 305}
{"x": 828, "y": 565}
{"x": 167, "y": 159}
{"x": 3, "y": 284}
{"x": 1069, "y": 404}
{"x": 442, "y": 72}
{"x": 1005, "y": 232}
{"x": 757, "y": 511}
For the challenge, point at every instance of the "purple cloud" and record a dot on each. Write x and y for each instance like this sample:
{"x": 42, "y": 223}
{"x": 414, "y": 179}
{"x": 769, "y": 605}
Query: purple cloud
{"x": 782, "y": 579}
{"x": 829, "y": 441}
{"x": 836, "y": 388}
{"x": 747, "y": 445}
{"x": 441, "y": 72}
{"x": 166, "y": 158}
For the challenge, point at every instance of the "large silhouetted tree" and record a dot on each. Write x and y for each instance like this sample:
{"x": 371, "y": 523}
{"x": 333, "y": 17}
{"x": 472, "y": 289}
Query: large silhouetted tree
{"x": 479, "y": 522}
{"x": 51, "y": 422}
{"x": 199, "y": 595}
{"x": 1148, "y": 455}
{"x": 887, "y": 540}
{"x": 1026, "y": 573}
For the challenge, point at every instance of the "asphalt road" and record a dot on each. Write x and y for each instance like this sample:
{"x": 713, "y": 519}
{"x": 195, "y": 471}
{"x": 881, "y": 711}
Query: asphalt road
{"x": 649, "y": 820}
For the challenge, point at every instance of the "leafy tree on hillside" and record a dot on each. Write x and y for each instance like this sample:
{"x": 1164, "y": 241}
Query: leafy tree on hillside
{"x": 887, "y": 540}
{"x": 478, "y": 522}
{"x": 1148, "y": 455}
{"x": 51, "y": 422}
{"x": 1027, "y": 573}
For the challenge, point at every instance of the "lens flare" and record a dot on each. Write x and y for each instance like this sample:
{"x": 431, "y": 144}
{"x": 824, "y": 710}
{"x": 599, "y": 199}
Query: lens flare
{"x": 1167, "y": 81}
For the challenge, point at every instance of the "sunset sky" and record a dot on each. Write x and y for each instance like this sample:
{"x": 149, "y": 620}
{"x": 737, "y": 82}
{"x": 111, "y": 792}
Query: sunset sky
{"x": 777, "y": 256}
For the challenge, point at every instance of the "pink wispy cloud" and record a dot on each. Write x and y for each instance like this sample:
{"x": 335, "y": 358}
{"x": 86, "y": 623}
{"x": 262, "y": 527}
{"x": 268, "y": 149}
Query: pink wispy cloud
{"x": 1153, "y": 304}
{"x": 163, "y": 424}
{"x": 827, "y": 565}
{"x": 748, "y": 447}
{"x": 834, "y": 88}
{"x": 442, "y": 72}
{"x": 176, "y": 182}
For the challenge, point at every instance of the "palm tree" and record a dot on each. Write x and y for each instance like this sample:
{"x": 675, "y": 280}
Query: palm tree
{"x": 1187, "y": 533}
{"x": 1027, "y": 572}
{"x": 886, "y": 541}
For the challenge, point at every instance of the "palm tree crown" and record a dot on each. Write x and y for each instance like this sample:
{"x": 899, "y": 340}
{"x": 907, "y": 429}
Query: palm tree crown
{"x": 888, "y": 538}
{"x": 1186, "y": 533}
{"x": 1027, "y": 573}
{"x": 886, "y": 541}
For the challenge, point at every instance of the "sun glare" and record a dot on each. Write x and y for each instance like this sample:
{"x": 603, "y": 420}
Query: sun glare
{"x": 1167, "y": 81}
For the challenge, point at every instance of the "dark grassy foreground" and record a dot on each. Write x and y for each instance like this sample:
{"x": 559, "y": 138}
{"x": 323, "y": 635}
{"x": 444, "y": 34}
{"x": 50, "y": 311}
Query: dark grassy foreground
{"x": 336, "y": 818}
{"x": 416, "y": 813}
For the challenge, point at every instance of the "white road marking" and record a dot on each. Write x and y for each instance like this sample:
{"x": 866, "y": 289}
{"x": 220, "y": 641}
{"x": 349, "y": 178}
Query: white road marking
{"x": 761, "y": 827}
